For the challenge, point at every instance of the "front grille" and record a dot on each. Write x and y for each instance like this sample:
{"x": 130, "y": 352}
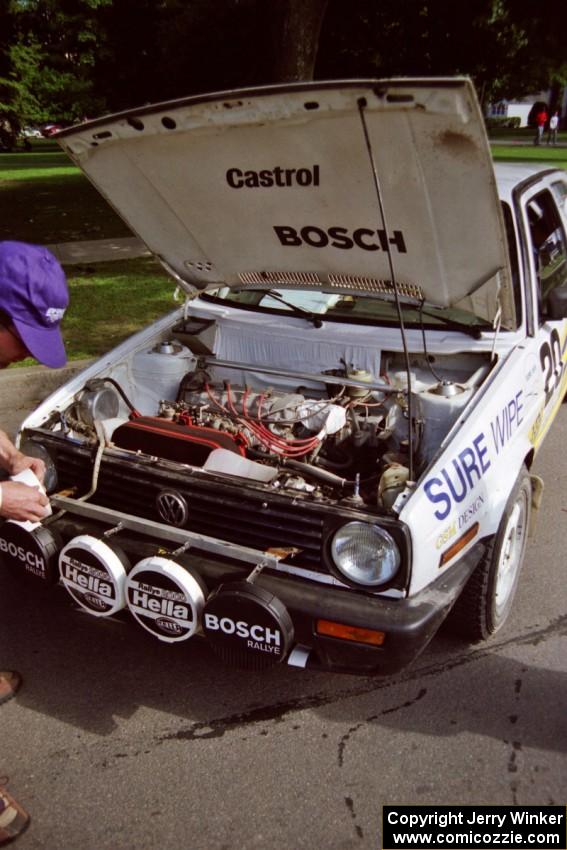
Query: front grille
{"x": 224, "y": 511}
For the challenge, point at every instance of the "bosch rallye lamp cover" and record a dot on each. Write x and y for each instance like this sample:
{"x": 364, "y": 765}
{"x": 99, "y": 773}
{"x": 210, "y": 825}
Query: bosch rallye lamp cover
{"x": 326, "y": 451}
{"x": 299, "y": 158}
{"x": 30, "y": 552}
{"x": 248, "y": 626}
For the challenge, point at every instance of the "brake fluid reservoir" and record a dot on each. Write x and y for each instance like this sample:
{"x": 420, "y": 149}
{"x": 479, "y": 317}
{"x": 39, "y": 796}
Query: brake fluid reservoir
{"x": 157, "y": 373}
{"x": 392, "y": 483}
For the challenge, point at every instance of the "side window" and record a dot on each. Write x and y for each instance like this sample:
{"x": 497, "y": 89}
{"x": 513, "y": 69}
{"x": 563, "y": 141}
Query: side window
{"x": 549, "y": 249}
{"x": 559, "y": 189}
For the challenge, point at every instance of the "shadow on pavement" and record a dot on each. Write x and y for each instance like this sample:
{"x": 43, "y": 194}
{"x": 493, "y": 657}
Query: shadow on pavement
{"x": 88, "y": 672}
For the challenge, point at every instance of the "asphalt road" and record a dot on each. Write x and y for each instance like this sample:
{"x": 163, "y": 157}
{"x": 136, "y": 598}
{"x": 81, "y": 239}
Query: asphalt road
{"x": 116, "y": 741}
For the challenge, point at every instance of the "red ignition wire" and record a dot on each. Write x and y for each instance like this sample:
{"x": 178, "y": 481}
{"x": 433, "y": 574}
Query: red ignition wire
{"x": 279, "y": 446}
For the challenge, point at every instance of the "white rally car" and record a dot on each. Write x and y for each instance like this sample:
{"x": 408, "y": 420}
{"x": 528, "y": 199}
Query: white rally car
{"x": 327, "y": 449}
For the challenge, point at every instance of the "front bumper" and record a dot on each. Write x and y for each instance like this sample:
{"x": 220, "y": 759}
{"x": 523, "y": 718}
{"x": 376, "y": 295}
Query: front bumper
{"x": 408, "y": 623}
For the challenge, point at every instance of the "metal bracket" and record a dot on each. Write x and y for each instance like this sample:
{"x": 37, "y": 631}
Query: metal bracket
{"x": 162, "y": 532}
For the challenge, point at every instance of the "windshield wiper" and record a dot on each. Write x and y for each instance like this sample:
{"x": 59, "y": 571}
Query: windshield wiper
{"x": 299, "y": 311}
{"x": 472, "y": 330}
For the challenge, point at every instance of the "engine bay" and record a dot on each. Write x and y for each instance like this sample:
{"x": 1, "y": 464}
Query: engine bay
{"x": 341, "y": 434}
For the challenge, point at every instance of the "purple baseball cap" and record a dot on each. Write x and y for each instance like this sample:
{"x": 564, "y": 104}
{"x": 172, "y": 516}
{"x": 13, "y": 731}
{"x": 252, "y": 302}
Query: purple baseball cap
{"x": 33, "y": 292}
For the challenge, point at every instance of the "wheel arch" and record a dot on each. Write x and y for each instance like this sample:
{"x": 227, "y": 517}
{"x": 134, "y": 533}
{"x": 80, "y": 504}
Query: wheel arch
{"x": 529, "y": 459}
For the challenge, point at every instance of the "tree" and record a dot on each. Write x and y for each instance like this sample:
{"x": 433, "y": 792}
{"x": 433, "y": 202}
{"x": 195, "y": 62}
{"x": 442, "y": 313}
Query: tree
{"x": 66, "y": 59}
{"x": 47, "y": 55}
{"x": 492, "y": 42}
{"x": 295, "y": 27}
{"x": 19, "y": 104}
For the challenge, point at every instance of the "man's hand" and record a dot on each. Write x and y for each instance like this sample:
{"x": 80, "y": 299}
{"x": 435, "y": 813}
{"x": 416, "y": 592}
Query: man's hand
{"x": 21, "y": 502}
{"x": 13, "y": 461}
{"x": 21, "y": 462}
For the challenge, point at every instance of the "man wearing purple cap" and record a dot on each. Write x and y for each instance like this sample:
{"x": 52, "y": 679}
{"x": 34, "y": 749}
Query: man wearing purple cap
{"x": 33, "y": 300}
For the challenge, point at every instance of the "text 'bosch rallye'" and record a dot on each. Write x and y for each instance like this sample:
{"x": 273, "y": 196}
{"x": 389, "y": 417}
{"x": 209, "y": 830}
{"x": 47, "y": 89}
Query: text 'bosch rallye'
{"x": 326, "y": 451}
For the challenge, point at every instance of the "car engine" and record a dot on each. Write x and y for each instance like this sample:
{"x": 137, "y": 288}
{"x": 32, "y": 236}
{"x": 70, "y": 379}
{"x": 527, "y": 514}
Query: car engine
{"x": 336, "y": 442}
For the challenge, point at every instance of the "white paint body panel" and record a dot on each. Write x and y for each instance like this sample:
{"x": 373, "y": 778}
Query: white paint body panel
{"x": 280, "y": 181}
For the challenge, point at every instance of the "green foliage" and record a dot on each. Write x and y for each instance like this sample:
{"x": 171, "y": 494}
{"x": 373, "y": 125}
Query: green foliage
{"x": 27, "y": 81}
{"x": 495, "y": 121}
{"x": 47, "y": 55}
{"x": 493, "y": 41}
{"x": 62, "y": 60}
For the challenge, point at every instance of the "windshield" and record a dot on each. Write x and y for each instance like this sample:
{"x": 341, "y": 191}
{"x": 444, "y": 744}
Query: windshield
{"x": 351, "y": 308}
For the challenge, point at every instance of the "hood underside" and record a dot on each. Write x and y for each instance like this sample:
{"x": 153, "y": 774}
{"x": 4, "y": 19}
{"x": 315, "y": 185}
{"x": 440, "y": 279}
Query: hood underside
{"x": 339, "y": 186}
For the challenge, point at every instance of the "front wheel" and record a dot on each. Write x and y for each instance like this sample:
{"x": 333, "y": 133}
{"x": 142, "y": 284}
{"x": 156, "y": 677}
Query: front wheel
{"x": 486, "y": 600}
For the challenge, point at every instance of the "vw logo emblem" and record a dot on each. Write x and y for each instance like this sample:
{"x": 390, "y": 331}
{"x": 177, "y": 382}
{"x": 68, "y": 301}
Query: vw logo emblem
{"x": 172, "y": 508}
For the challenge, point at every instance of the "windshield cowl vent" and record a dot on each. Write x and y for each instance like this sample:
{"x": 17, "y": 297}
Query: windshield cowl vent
{"x": 352, "y": 284}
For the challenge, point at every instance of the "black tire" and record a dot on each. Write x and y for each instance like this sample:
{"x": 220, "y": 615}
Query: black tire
{"x": 486, "y": 600}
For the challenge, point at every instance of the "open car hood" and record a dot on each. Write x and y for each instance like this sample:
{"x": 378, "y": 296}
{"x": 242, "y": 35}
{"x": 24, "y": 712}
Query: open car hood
{"x": 339, "y": 186}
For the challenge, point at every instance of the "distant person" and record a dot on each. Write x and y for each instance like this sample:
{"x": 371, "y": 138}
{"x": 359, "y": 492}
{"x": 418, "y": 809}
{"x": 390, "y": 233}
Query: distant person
{"x": 541, "y": 121}
{"x": 33, "y": 300}
{"x": 552, "y": 132}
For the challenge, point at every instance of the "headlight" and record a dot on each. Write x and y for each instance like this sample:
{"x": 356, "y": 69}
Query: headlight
{"x": 365, "y": 554}
{"x": 33, "y": 449}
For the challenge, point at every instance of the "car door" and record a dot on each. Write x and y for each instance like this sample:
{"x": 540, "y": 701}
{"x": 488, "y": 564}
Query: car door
{"x": 544, "y": 220}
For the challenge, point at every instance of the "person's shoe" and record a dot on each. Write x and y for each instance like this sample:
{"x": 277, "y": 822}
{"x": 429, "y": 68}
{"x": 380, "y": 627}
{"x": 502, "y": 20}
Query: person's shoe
{"x": 13, "y": 819}
{"x": 10, "y": 681}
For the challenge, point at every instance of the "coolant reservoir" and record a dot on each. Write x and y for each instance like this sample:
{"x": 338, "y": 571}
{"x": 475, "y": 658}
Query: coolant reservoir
{"x": 438, "y": 413}
{"x": 157, "y": 373}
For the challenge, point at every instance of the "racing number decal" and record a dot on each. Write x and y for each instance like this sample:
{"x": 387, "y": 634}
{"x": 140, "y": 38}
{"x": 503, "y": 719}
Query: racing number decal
{"x": 551, "y": 363}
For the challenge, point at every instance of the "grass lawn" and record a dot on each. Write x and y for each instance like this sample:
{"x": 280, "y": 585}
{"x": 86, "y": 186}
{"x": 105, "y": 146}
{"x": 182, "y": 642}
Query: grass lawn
{"x": 109, "y": 302}
{"x": 542, "y": 155}
{"x": 516, "y": 145}
{"x": 44, "y": 198}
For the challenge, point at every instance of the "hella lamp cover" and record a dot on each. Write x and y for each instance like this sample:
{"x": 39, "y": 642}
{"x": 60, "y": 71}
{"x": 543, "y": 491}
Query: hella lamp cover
{"x": 165, "y": 598}
{"x": 94, "y": 572}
